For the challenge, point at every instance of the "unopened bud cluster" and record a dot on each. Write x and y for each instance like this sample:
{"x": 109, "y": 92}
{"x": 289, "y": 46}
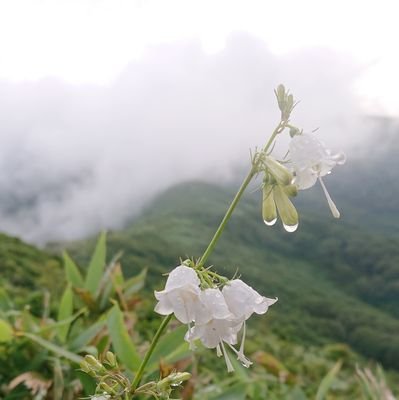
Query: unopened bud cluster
{"x": 112, "y": 384}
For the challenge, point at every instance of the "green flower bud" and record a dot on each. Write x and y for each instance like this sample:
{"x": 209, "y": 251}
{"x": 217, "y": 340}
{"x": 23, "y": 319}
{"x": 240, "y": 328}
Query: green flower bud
{"x": 108, "y": 389}
{"x": 84, "y": 366}
{"x": 286, "y": 209}
{"x": 269, "y": 211}
{"x": 294, "y": 131}
{"x": 111, "y": 359}
{"x": 94, "y": 363}
{"x": 280, "y": 173}
{"x": 281, "y": 97}
{"x": 291, "y": 190}
{"x": 174, "y": 379}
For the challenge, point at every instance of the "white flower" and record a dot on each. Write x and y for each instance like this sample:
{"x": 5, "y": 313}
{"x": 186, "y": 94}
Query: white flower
{"x": 181, "y": 295}
{"x": 311, "y": 160}
{"x": 243, "y": 301}
{"x": 215, "y": 324}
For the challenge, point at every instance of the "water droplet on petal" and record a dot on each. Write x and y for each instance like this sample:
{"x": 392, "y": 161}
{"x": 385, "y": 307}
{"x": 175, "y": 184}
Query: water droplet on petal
{"x": 270, "y": 223}
{"x": 290, "y": 228}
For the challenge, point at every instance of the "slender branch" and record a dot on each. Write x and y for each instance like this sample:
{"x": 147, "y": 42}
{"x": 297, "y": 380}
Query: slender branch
{"x": 227, "y": 216}
{"x": 254, "y": 169}
{"x": 151, "y": 349}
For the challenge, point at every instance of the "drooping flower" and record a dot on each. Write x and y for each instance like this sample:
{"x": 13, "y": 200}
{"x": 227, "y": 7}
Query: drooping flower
{"x": 243, "y": 301}
{"x": 215, "y": 324}
{"x": 311, "y": 160}
{"x": 181, "y": 295}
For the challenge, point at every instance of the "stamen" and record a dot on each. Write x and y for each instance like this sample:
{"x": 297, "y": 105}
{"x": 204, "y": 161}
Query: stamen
{"x": 229, "y": 365}
{"x": 330, "y": 202}
{"x": 218, "y": 351}
{"x": 191, "y": 343}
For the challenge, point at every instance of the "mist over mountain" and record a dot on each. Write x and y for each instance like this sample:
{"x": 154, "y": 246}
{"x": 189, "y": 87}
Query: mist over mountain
{"x": 75, "y": 159}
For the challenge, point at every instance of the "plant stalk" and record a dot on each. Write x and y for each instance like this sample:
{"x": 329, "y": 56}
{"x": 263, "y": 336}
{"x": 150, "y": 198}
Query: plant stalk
{"x": 254, "y": 169}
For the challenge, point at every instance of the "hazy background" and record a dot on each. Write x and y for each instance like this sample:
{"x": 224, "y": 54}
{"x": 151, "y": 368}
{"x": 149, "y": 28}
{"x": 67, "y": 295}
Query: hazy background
{"x": 105, "y": 103}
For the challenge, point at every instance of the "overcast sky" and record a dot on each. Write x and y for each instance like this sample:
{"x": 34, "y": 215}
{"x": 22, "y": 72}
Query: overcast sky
{"x": 105, "y": 103}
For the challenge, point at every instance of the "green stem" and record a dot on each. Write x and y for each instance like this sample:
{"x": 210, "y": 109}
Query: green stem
{"x": 147, "y": 356}
{"x": 227, "y": 216}
{"x": 280, "y": 127}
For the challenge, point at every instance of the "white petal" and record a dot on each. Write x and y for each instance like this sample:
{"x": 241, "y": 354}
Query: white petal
{"x": 164, "y": 306}
{"x": 334, "y": 210}
{"x": 181, "y": 276}
{"x": 215, "y": 303}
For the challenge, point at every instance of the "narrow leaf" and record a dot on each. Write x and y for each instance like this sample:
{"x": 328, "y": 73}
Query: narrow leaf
{"x": 65, "y": 311}
{"x": 327, "y": 381}
{"x": 53, "y": 348}
{"x": 6, "y": 332}
{"x": 96, "y": 266}
{"x": 136, "y": 283}
{"x": 123, "y": 345}
{"x": 170, "y": 348}
{"x": 72, "y": 272}
{"x": 87, "y": 335}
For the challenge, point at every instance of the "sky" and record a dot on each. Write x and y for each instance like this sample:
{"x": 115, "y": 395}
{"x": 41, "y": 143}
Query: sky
{"x": 104, "y": 104}
{"x": 92, "y": 41}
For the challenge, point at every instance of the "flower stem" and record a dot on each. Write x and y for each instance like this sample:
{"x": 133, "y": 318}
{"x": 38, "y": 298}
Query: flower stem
{"x": 227, "y": 216}
{"x": 149, "y": 352}
{"x": 254, "y": 169}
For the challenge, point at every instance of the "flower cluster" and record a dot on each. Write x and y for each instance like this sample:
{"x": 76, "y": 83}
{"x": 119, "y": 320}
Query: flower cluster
{"x": 309, "y": 160}
{"x": 213, "y": 316}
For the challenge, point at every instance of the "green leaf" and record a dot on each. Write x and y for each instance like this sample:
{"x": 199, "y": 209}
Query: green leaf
{"x": 123, "y": 345}
{"x": 171, "y": 348}
{"x": 88, "y": 383}
{"x": 59, "y": 351}
{"x": 327, "y": 381}
{"x": 136, "y": 283}
{"x": 6, "y": 332}
{"x": 87, "y": 335}
{"x": 65, "y": 311}
{"x": 235, "y": 392}
{"x": 5, "y": 301}
{"x": 72, "y": 272}
{"x": 96, "y": 266}
{"x": 58, "y": 381}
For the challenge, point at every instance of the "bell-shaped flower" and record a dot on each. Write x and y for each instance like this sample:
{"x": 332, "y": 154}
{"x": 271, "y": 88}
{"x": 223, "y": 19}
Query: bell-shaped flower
{"x": 243, "y": 301}
{"x": 215, "y": 325}
{"x": 311, "y": 160}
{"x": 181, "y": 295}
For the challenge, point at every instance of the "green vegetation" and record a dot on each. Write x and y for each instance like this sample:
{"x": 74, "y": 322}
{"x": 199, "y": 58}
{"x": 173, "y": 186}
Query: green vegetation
{"x": 337, "y": 283}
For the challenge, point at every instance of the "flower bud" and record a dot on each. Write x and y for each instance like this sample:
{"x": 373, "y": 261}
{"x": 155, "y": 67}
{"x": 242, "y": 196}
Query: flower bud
{"x": 280, "y": 173}
{"x": 111, "y": 359}
{"x": 108, "y": 389}
{"x": 269, "y": 211}
{"x": 294, "y": 131}
{"x": 286, "y": 209}
{"x": 291, "y": 190}
{"x": 174, "y": 379}
{"x": 93, "y": 363}
{"x": 84, "y": 367}
{"x": 281, "y": 97}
